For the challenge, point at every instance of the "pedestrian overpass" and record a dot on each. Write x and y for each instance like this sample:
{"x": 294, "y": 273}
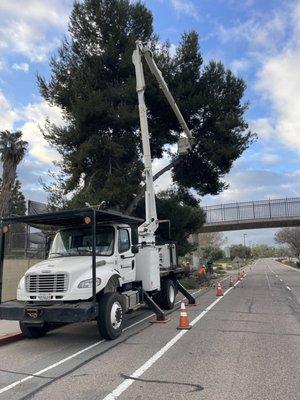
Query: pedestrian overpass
{"x": 275, "y": 213}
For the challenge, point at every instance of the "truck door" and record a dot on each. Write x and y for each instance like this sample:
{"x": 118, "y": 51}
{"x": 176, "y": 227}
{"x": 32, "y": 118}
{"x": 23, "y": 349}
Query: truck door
{"x": 126, "y": 258}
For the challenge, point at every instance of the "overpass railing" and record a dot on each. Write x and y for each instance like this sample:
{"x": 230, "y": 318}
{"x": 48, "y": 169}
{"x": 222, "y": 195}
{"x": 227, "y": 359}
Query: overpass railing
{"x": 253, "y": 210}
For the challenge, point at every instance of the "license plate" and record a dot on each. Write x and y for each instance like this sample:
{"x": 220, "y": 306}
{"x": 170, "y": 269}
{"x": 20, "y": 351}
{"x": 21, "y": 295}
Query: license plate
{"x": 44, "y": 297}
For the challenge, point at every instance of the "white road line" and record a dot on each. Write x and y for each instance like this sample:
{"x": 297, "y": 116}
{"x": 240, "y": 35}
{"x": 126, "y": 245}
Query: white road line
{"x": 140, "y": 371}
{"x": 16, "y": 383}
{"x": 37, "y": 374}
{"x": 268, "y": 279}
{"x": 288, "y": 288}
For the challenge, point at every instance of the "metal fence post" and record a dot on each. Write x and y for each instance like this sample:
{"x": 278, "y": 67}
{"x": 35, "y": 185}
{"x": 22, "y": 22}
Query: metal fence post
{"x": 286, "y": 207}
{"x": 270, "y": 208}
{"x": 2, "y": 246}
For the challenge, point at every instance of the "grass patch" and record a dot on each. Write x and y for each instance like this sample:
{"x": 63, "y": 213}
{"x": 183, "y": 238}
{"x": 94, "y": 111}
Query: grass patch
{"x": 190, "y": 282}
{"x": 290, "y": 264}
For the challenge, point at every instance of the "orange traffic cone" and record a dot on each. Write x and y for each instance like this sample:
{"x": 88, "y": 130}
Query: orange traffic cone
{"x": 230, "y": 282}
{"x": 219, "y": 291}
{"x": 183, "y": 320}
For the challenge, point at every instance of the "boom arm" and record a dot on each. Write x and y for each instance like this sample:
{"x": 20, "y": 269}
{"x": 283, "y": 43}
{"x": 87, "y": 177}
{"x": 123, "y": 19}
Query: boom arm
{"x": 164, "y": 87}
{"x": 148, "y": 228}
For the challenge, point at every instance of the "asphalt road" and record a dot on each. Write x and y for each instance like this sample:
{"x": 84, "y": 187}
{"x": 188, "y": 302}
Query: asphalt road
{"x": 244, "y": 345}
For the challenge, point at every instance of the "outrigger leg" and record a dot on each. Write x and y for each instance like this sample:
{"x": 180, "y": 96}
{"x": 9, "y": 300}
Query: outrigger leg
{"x": 161, "y": 317}
{"x": 182, "y": 289}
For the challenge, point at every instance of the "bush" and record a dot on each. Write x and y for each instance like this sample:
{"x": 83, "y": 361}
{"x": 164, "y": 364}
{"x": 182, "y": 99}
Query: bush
{"x": 191, "y": 282}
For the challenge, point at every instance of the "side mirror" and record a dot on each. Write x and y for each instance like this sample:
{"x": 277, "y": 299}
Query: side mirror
{"x": 134, "y": 249}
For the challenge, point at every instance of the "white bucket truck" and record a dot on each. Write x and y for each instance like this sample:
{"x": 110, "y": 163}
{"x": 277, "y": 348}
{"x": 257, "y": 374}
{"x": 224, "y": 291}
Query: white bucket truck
{"x": 101, "y": 263}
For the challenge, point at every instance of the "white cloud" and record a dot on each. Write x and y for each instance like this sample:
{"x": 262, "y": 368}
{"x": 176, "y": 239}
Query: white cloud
{"x": 24, "y": 29}
{"x": 258, "y": 33}
{"x": 273, "y": 49}
{"x": 186, "y": 7}
{"x": 259, "y": 184}
{"x": 270, "y": 159}
{"x": 279, "y": 82}
{"x": 263, "y": 127}
{"x": 35, "y": 116}
{"x": 173, "y": 48}
{"x": 240, "y": 65}
{"x": 29, "y": 119}
{"x": 164, "y": 182}
{"x": 8, "y": 115}
{"x": 21, "y": 67}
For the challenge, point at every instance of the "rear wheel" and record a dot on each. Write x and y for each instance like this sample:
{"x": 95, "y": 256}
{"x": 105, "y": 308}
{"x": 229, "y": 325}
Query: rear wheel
{"x": 31, "y": 331}
{"x": 168, "y": 294}
{"x": 111, "y": 315}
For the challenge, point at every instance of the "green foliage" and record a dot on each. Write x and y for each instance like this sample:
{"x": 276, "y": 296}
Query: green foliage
{"x": 93, "y": 81}
{"x": 211, "y": 253}
{"x": 238, "y": 250}
{"x": 291, "y": 237}
{"x": 191, "y": 282}
{"x": 12, "y": 151}
{"x": 12, "y": 147}
{"x": 18, "y": 203}
{"x": 263, "y": 250}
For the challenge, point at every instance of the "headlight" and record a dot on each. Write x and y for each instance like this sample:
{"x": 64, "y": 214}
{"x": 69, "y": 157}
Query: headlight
{"x": 88, "y": 283}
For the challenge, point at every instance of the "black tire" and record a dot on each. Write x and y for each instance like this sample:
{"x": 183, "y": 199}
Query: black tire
{"x": 31, "y": 331}
{"x": 110, "y": 322}
{"x": 168, "y": 294}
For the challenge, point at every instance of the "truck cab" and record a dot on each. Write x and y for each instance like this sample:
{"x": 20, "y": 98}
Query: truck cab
{"x": 66, "y": 274}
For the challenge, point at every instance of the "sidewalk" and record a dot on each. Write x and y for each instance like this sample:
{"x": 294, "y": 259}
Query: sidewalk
{"x": 9, "y": 332}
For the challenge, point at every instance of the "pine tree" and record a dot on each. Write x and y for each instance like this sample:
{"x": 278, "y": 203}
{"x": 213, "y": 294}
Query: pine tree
{"x": 93, "y": 82}
{"x": 18, "y": 203}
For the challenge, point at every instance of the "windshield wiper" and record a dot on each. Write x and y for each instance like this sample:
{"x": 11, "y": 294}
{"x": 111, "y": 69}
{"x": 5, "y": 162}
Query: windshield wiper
{"x": 84, "y": 250}
{"x": 60, "y": 254}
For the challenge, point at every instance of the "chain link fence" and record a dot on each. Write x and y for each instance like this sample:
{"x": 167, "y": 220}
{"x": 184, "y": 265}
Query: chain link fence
{"x": 23, "y": 248}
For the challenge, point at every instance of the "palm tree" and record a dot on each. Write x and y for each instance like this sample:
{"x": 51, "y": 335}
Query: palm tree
{"x": 12, "y": 151}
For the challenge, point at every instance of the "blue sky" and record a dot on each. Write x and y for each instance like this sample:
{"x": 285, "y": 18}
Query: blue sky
{"x": 258, "y": 40}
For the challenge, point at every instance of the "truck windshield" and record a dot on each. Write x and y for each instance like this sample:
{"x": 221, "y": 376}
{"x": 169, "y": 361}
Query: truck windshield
{"x": 78, "y": 242}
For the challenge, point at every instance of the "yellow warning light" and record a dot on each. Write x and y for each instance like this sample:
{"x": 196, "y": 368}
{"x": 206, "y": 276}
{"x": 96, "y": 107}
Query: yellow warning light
{"x": 5, "y": 228}
{"x": 87, "y": 220}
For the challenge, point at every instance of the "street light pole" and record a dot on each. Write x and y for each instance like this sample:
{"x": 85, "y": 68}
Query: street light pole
{"x": 244, "y": 234}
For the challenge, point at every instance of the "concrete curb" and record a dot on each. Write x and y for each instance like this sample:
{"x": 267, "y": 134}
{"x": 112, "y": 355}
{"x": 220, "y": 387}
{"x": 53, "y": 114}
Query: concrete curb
{"x": 10, "y": 338}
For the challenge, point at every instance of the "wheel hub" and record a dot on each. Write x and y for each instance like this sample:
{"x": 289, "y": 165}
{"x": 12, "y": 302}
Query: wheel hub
{"x": 171, "y": 294}
{"x": 116, "y": 315}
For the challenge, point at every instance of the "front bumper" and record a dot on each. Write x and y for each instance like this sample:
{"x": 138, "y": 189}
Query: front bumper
{"x": 65, "y": 312}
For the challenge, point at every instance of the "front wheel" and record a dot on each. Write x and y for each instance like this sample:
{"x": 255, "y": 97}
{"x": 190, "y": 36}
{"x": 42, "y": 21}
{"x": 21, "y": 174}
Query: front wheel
{"x": 111, "y": 315}
{"x": 31, "y": 331}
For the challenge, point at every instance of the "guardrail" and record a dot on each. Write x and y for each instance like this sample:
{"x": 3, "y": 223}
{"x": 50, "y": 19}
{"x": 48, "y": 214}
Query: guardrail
{"x": 253, "y": 210}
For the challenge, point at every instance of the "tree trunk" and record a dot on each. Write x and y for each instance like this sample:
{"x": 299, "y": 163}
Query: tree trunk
{"x": 132, "y": 206}
{"x": 8, "y": 181}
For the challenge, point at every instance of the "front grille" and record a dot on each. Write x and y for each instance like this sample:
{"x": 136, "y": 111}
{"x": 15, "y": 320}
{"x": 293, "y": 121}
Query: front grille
{"x": 54, "y": 283}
